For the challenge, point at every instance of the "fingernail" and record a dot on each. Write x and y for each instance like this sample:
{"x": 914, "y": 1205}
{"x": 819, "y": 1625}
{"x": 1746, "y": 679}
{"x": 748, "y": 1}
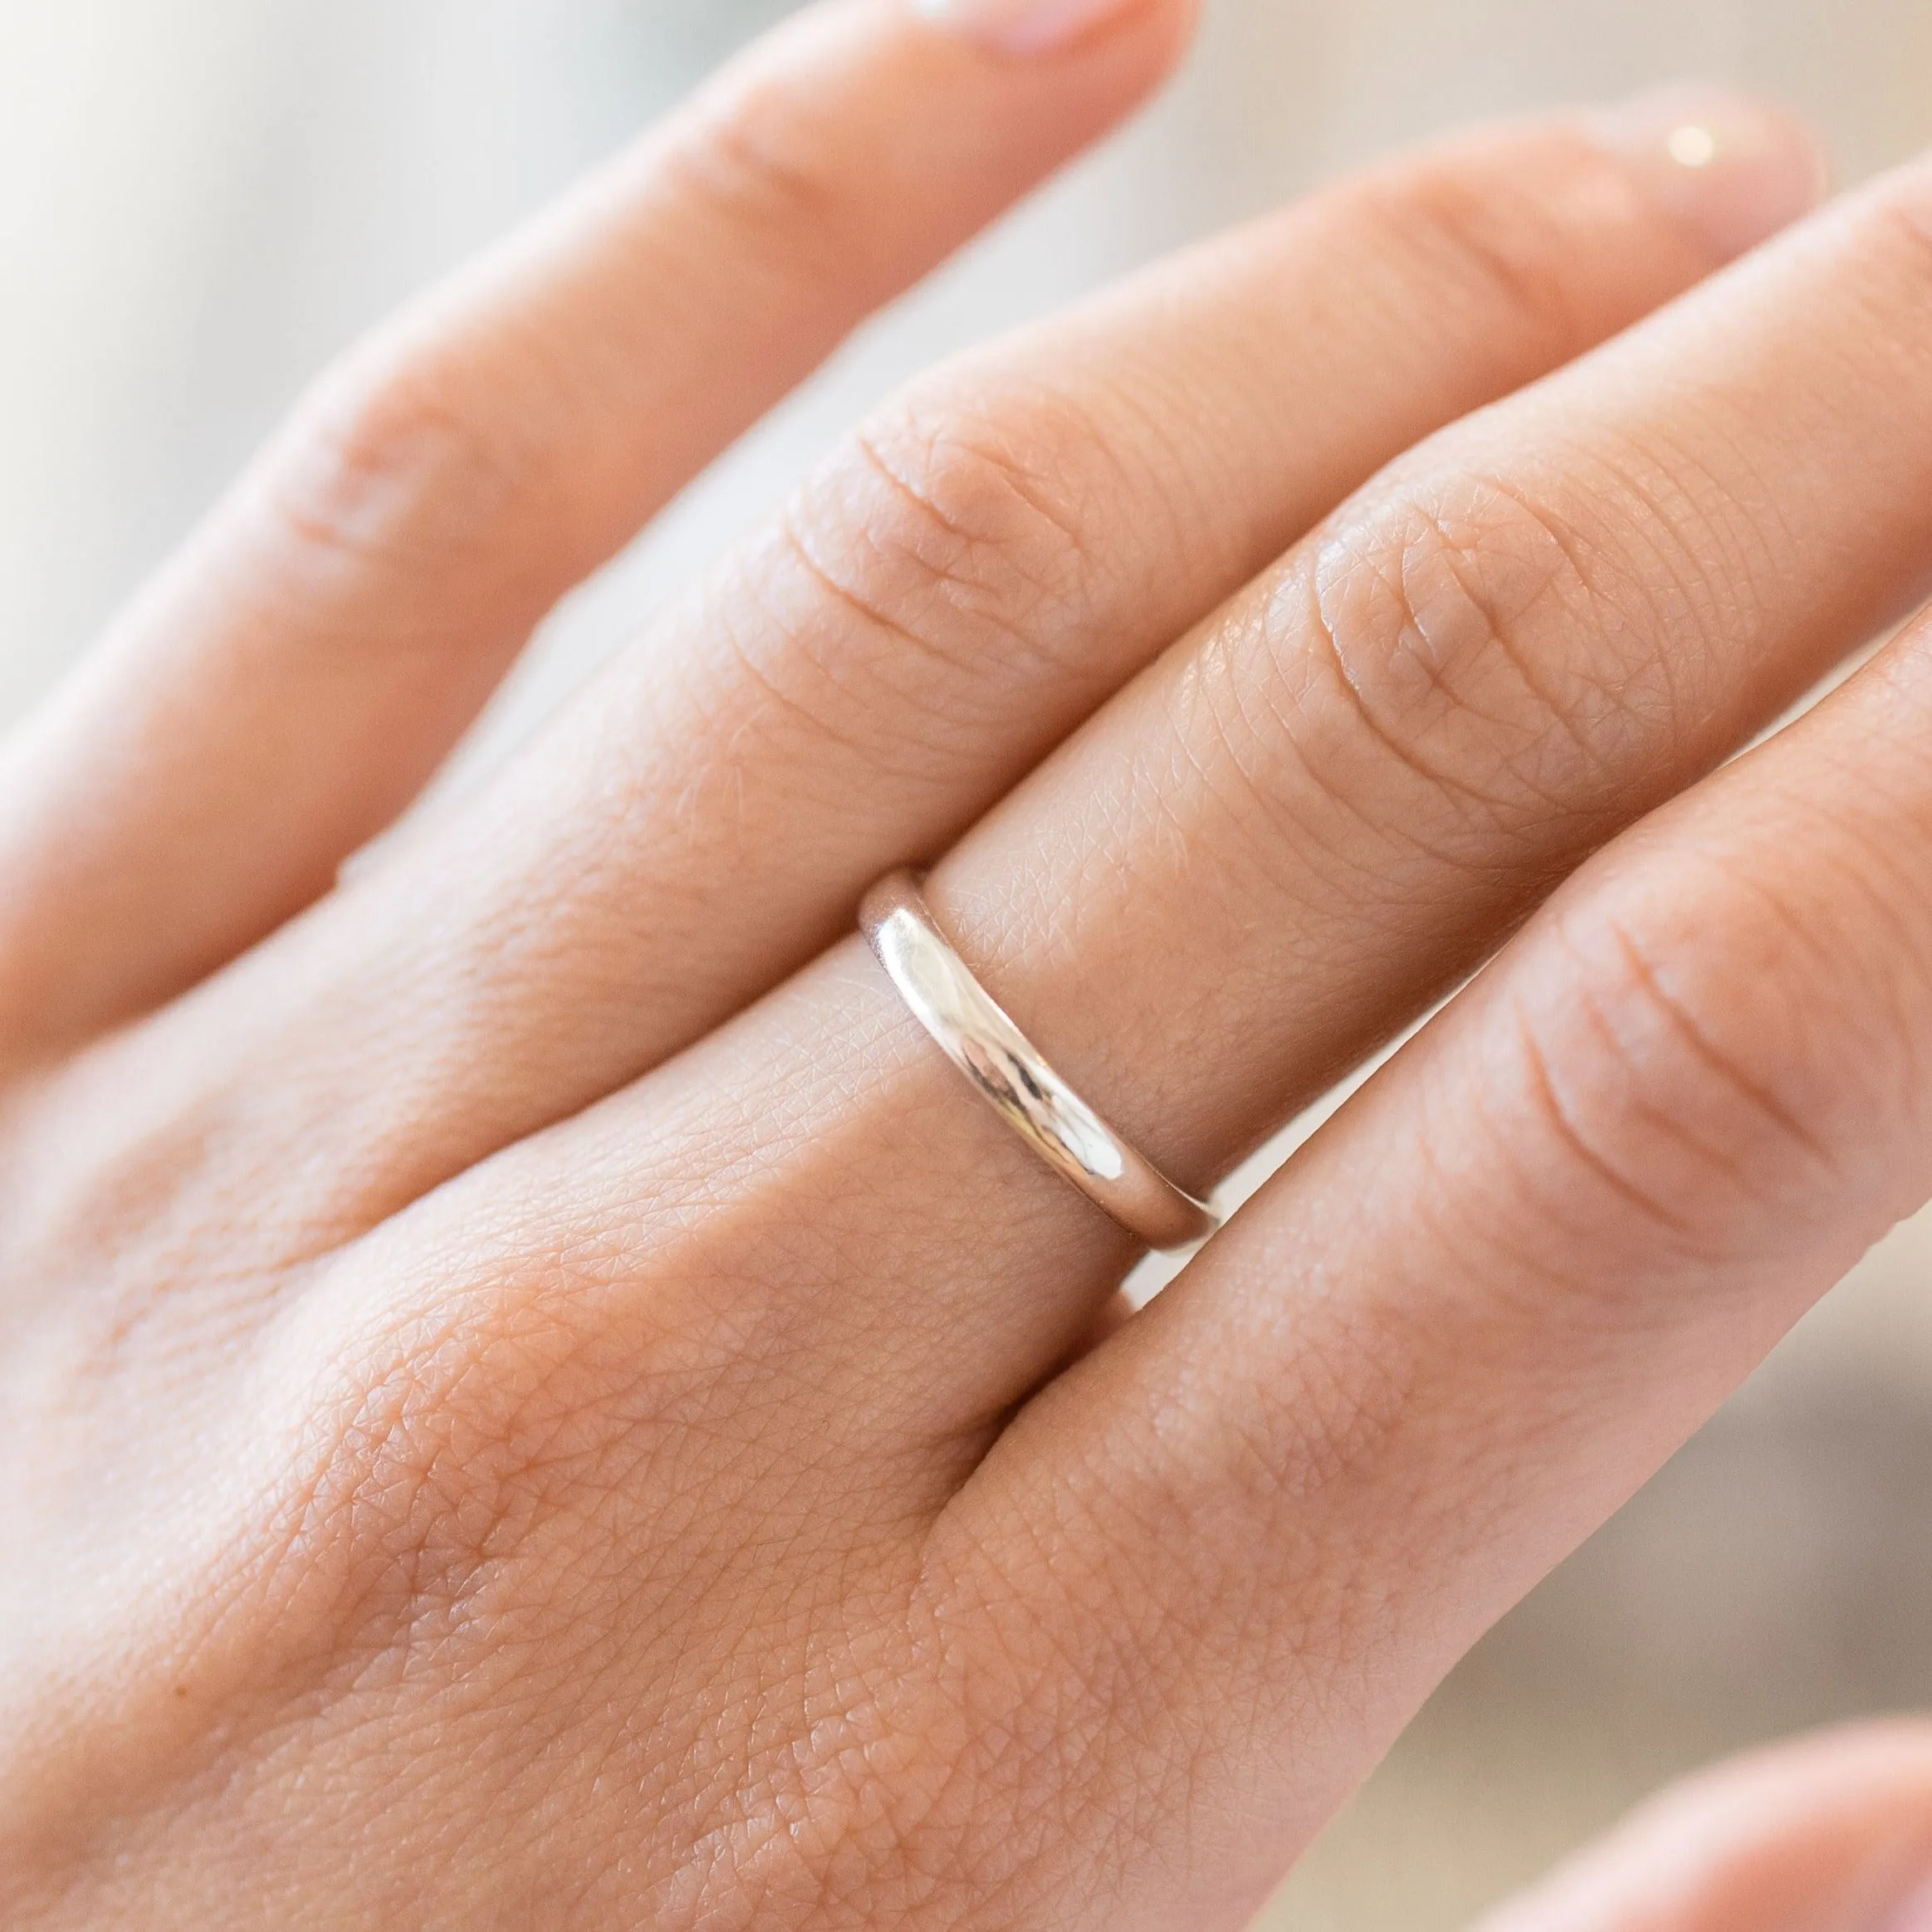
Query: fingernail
{"x": 1019, "y": 27}
{"x": 1915, "y": 1915}
{"x": 1735, "y": 170}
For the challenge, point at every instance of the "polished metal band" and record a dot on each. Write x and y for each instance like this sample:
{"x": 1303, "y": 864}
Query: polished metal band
{"x": 1013, "y": 1077}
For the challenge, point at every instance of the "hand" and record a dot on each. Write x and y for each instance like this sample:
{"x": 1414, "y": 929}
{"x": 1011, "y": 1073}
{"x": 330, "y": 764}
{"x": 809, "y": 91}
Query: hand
{"x": 532, "y": 1394}
{"x": 1833, "y": 1834}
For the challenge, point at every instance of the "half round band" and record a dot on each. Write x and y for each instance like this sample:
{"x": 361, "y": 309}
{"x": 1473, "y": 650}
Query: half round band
{"x": 1013, "y": 1079}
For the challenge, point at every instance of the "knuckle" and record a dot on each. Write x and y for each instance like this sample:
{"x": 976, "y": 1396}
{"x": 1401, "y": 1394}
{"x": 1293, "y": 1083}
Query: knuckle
{"x": 1675, "y": 1053}
{"x": 948, "y": 541}
{"x": 1505, "y": 677}
{"x": 396, "y": 454}
{"x": 1483, "y": 234}
{"x": 439, "y": 1452}
{"x": 977, "y": 502}
{"x": 749, "y": 159}
{"x": 551, "y": 1383}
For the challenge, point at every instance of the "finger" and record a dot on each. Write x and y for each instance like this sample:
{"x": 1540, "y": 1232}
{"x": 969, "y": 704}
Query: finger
{"x": 1493, "y": 1297}
{"x": 1291, "y": 1499}
{"x": 1300, "y": 829}
{"x": 291, "y": 679}
{"x": 1003, "y": 548}
{"x": 1830, "y": 1834}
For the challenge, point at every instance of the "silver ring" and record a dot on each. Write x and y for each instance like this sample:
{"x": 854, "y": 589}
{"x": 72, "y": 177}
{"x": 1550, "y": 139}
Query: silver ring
{"x": 1013, "y": 1079}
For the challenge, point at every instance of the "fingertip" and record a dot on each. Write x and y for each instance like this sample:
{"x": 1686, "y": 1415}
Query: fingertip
{"x": 1041, "y": 29}
{"x": 1732, "y": 169}
{"x": 1054, "y": 76}
{"x": 1831, "y": 1833}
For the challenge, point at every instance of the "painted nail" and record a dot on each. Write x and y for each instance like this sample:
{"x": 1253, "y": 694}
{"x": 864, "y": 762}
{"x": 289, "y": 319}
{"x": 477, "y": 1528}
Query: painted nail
{"x": 1019, "y": 27}
{"x": 1915, "y": 1915}
{"x": 1733, "y": 170}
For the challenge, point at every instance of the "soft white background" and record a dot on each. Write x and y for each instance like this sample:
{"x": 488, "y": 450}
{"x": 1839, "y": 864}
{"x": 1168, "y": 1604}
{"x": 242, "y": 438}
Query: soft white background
{"x": 201, "y": 199}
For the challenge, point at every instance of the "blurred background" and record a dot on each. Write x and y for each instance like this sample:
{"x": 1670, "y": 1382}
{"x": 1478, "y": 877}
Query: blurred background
{"x": 201, "y": 199}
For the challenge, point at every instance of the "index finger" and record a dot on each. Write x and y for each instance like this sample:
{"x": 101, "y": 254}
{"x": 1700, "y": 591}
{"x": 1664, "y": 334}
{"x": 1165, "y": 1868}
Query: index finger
{"x": 292, "y": 679}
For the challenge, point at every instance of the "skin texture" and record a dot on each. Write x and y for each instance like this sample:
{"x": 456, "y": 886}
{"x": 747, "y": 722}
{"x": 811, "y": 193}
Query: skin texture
{"x": 533, "y": 1397}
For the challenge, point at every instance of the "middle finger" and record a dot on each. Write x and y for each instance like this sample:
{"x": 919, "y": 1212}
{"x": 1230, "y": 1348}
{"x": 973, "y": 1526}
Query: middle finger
{"x": 1271, "y": 852}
